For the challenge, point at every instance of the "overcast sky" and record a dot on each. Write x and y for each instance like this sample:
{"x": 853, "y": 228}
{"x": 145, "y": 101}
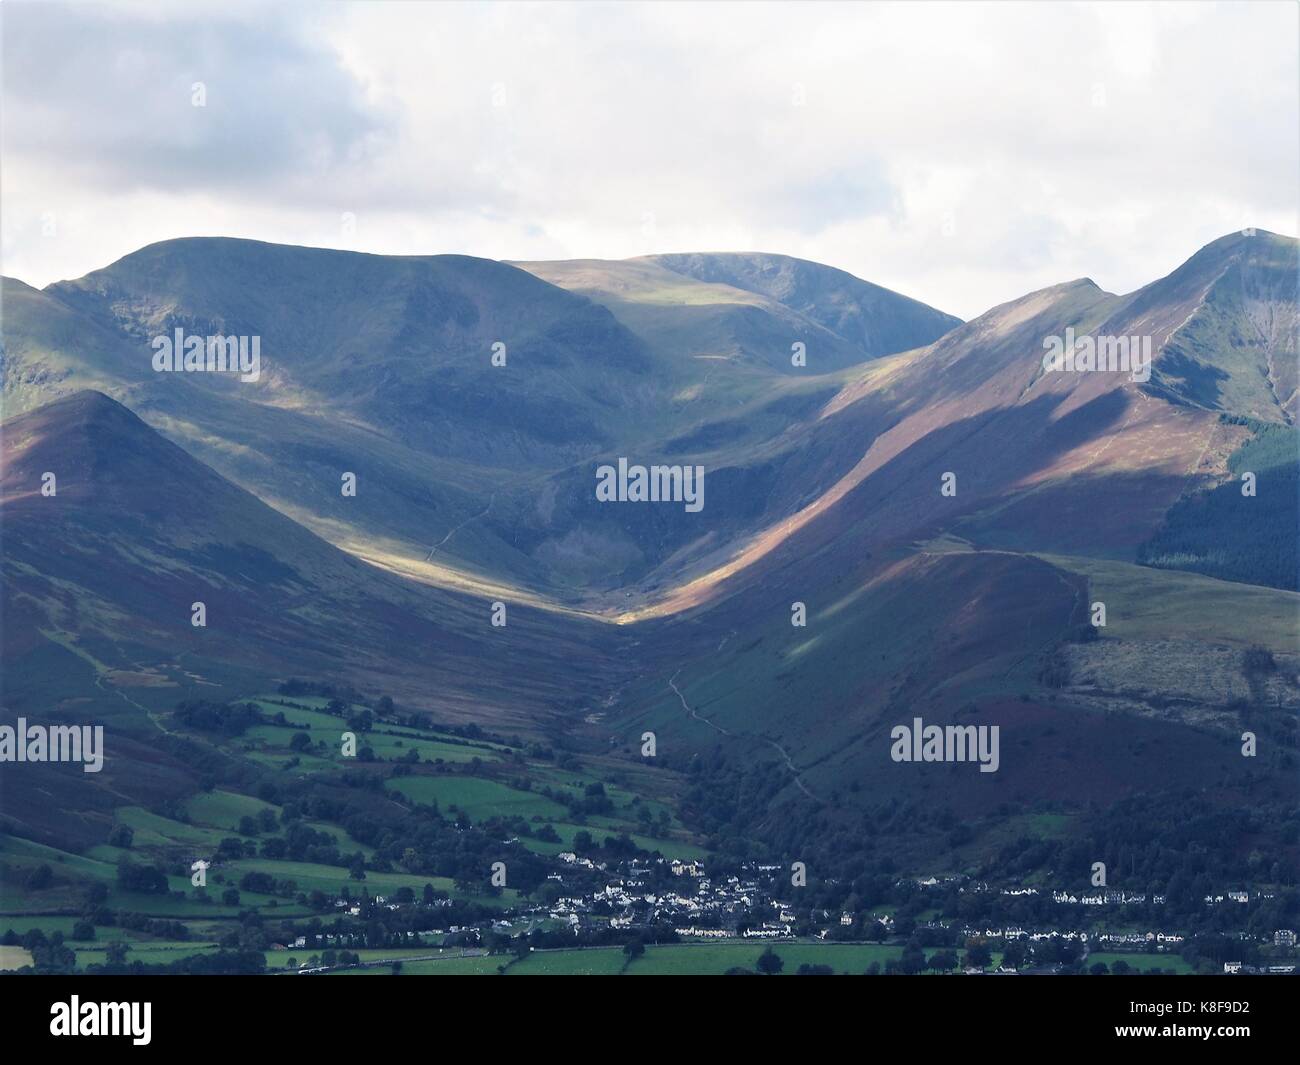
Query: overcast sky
{"x": 963, "y": 154}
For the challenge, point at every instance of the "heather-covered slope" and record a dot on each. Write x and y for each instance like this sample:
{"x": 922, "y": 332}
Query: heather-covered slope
{"x": 100, "y": 579}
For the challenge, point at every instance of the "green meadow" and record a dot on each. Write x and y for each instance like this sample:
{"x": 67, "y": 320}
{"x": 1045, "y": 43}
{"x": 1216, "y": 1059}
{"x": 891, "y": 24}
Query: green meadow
{"x": 478, "y": 798}
{"x": 675, "y": 959}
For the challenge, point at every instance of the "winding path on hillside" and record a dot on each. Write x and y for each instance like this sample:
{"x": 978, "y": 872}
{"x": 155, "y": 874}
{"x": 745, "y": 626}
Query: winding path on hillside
{"x": 473, "y": 517}
{"x": 785, "y": 757}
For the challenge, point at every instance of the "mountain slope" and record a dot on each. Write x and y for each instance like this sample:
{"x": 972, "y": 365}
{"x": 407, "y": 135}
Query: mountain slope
{"x": 973, "y": 607}
{"x": 745, "y": 311}
{"x": 876, "y": 320}
{"x": 1084, "y": 463}
{"x": 101, "y": 577}
{"x": 381, "y": 366}
{"x": 1237, "y": 349}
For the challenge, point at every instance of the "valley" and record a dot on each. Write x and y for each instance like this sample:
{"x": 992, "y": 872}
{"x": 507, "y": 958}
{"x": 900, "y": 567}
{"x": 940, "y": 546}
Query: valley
{"x": 906, "y": 518}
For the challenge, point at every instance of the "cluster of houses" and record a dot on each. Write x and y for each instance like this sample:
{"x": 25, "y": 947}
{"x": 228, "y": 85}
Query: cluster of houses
{"x": 703, "y": 906}
{"x": 1106, "y": 898}
{"x": 1098, "y": 940}
{"x": 1236, "y": 967}
{"x": 1136, "y": 940}
{"x": 1231, "y": 896}
{"x": 698, "y": 905}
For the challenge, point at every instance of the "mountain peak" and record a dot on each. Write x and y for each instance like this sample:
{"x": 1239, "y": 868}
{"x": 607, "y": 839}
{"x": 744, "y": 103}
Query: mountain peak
{"x": 90, "y": 415}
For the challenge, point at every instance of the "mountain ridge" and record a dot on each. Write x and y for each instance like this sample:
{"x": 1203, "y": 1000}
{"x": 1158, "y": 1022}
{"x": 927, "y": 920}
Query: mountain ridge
{"x": 415, "y": 409}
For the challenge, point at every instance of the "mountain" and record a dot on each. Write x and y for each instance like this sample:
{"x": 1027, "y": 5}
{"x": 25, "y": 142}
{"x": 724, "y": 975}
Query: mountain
{"x": 878, "y": 321}
{"x": 101, "y": 576}
{"x": 382, "y": 366}
{"x": 975, "y": 607}
{"x": 947, "y": 510}
{"x": 1080, "y": 462}
{"x": 746, "y": 310}
{"x": 1237, "y": 348}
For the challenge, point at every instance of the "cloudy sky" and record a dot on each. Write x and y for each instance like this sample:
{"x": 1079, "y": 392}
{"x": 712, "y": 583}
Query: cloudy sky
{"x": 961, "y": 154}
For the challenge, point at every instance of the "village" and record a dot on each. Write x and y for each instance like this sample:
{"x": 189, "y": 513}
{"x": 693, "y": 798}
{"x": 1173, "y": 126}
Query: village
{"x": 664, "y": 900}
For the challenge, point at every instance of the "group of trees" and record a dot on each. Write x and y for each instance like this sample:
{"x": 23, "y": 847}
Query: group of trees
{"x": 1181, "y": 844}
{"x": 227, "y": 719}
{"x": 1223, "y": 533}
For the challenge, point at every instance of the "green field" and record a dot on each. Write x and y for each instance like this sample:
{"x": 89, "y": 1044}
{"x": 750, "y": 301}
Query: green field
{"x": 685, "y": 958}
{"x": 661, "y": 960}
{"x": 331, "y": 879}
{"x": 599, "y": 827}
{"x": 152, "y": 830}
{"x": 159, "y": 953}
{"x": 21, "y": 854}
{"x": 597, "y": 961}
{"x": 14, "y": 958}
{"x": 223, "y": 809}
{"x": 452, "y": 965}
{"x": 676, "y": 959}
{"x": 479, "y": 799}
{"x": 387, "y": 740}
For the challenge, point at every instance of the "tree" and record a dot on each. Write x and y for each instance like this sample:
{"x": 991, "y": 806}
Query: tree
{"x": 769, "y": 963}
{"x": 913, "y": 959}
{"x": 979, "y": 955}
{"x": 633, "y": 949}
{"x": 145, "y": 879}
{"x": 1015, "y": 955}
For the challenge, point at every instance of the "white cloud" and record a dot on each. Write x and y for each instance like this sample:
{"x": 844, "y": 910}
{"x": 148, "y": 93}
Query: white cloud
{"x": 963, "y": 154}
